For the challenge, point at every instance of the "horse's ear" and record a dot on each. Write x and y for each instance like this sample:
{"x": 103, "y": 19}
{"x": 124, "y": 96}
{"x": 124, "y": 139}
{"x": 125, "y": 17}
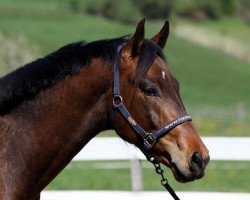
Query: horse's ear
{"x": 133, "y": 46}
{"x": 162, "y": 36}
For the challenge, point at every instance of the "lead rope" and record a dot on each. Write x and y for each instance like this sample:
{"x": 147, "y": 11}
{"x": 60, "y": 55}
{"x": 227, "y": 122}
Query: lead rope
{"x": 164, "y": 180}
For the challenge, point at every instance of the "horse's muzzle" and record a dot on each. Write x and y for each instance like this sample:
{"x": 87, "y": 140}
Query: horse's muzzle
{"x": 197, "y": 167}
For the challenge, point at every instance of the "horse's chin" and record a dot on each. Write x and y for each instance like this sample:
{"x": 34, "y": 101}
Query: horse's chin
{"x": 180, "y": 175}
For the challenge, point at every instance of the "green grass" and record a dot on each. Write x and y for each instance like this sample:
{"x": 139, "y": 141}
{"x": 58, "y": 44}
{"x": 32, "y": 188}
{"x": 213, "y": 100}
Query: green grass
{"x": 220, "y": 176}
{"x": 208, "y": 78}
{"x": 51, "y": 24}
{"x": 51, "y": 31}
{"x": 232, "y": 27}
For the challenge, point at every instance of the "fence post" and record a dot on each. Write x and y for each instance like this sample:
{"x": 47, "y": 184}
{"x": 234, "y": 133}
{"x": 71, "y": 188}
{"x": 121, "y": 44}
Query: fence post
{"x": 240, "y": 112}
{"x": 136, "y": 175}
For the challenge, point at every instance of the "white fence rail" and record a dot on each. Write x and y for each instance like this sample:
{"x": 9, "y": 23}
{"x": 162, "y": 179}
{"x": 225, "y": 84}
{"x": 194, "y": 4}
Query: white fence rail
{"x": 114, "y": 195}
{"x": 114, "y": 148}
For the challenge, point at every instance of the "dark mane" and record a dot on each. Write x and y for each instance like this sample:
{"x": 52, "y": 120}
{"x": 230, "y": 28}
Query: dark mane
{"x": 28, "y": 80}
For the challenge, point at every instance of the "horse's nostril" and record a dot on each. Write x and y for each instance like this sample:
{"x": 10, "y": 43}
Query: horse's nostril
{"x": 197, "y": 160}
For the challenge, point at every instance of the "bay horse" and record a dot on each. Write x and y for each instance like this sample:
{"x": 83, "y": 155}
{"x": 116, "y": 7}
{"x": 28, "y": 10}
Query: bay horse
{"x": 52, "y": 107}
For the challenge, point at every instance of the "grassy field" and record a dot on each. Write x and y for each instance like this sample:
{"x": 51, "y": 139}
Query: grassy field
{"x": 228, "y": 27}
{"x": 207, "y": 77}
{"x": 108, "y": 175}
{"x": 210, "y": 80}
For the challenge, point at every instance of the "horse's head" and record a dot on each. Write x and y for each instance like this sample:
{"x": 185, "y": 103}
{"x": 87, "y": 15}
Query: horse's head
{"x": 151, "y": 95}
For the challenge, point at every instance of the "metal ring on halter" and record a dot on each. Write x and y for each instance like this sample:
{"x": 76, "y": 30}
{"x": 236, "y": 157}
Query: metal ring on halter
{"x": 117, "y": 100}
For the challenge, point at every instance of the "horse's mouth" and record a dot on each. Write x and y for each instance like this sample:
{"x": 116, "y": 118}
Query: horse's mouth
{"x": 179, "y": 175}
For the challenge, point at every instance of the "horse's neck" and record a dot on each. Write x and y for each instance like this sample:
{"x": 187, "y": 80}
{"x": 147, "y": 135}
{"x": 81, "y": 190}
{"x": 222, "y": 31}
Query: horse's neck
{"x": 76, "y": 105}
{"x": 57, "y": 123}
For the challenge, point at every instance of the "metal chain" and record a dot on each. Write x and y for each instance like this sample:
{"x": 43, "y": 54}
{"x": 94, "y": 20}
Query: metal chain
{"x": 164, "y": 180}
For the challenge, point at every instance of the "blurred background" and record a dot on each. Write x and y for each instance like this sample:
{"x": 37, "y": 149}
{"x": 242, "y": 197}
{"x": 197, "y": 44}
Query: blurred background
{"x": 208, "y": 51}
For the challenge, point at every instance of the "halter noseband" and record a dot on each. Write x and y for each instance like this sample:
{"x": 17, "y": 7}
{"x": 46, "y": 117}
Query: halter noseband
{"x": 149, "y": 139}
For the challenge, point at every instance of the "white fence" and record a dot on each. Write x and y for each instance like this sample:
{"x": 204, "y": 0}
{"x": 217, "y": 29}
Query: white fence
{"x": 114, "y": 195}
{"x": 114, "y": 148}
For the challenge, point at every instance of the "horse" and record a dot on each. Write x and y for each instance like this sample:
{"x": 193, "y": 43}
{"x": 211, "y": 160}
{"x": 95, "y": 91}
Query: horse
{"x": 52, "y": 107}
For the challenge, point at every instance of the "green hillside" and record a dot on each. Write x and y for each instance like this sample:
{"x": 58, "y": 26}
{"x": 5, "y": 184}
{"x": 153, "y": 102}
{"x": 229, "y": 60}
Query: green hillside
{"x": 210, "y": 80}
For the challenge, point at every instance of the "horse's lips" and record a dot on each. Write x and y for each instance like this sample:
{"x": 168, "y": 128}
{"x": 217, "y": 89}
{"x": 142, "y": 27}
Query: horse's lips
{"x": 166, "y": 162}
{"x": 179, "y": 176}
{"x": 182, "y": 177}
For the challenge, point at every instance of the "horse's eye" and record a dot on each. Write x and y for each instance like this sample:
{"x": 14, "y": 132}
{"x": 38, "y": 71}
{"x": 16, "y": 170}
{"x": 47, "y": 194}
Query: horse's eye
{"x": 150, "y": 91}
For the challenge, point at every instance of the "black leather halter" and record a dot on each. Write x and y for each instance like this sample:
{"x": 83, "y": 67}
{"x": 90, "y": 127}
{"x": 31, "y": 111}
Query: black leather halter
{"x": 149, "y": 139}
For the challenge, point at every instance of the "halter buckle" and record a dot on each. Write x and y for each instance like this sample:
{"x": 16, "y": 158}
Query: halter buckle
{"x": 149, "y": 141}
